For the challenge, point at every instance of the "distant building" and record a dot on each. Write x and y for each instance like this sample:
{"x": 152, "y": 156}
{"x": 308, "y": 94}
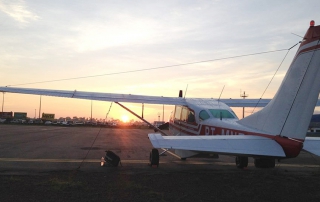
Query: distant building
{"x": 314, "y": 123}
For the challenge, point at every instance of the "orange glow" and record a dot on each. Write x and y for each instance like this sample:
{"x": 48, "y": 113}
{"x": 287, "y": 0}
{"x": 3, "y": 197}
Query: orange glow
{"x": 124, "y": 118}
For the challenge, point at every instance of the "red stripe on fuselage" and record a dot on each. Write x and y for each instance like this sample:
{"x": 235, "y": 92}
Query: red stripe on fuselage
{"x": 309, "y": 49}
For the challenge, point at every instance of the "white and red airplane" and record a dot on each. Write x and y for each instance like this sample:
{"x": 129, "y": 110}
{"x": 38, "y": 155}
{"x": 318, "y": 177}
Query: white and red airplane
{"x": 206, "y": 126}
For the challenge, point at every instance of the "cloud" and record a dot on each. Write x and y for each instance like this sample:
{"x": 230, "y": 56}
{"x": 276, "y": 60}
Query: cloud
{"x": 18, "y": 11}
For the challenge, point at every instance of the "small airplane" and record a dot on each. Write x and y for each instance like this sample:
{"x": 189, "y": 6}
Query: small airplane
{"x": 209, "y": 126}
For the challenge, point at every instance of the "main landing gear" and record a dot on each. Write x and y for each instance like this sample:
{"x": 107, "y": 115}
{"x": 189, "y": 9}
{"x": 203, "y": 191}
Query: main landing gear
{"x": 154, "y": 158}
{"x": 241, "y": 161}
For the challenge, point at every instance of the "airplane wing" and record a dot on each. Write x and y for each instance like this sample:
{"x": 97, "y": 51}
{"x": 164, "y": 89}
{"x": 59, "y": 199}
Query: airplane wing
{"x": 233, "y": 145}
{"x": 312, "y": 145}
{"x": 246, "y": 102}
{"x": 114, "y": 97}
{"x": 249, "y": 102}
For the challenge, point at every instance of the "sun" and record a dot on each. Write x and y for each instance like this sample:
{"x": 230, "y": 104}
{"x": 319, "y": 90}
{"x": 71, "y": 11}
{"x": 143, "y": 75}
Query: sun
{"x": 124, "y": 118}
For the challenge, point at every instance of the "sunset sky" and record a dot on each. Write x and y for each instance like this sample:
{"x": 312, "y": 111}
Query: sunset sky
{"x": 56, "y": 44}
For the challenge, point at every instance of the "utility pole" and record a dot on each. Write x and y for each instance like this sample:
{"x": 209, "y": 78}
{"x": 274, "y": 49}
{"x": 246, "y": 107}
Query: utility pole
{"x": 162, "y": 113}
{"x": 2, "y": 100}
{"x": 244, "y": 97}
{"x": 40, "y": 107}
{"x": 91, "y": 112}
{"x": 142, "y": 109}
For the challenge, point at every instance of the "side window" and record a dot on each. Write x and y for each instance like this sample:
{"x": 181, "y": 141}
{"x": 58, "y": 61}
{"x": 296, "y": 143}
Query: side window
{"x": 184, "y": 114}
{"x": 191, "y": 118}
{"x": 177, "y": 113}
{"x": 171, "y": 116}
{"x": 203, "y": 115}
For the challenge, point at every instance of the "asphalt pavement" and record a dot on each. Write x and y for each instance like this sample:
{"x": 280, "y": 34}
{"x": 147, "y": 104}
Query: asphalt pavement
{"x": 29, "y": 149}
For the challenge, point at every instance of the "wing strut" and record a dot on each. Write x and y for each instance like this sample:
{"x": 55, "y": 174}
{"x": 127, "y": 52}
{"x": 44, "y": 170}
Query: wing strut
{"x": 142, "y": 119}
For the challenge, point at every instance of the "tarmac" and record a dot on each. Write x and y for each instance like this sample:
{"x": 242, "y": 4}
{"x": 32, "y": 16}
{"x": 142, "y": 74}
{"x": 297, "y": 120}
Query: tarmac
{"x": 35, "y": 150}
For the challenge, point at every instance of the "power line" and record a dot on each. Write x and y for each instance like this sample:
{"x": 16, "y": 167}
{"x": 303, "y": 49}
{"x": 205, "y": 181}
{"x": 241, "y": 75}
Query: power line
{"x": 148, "y": 69}
{"x": 274, "y": 75}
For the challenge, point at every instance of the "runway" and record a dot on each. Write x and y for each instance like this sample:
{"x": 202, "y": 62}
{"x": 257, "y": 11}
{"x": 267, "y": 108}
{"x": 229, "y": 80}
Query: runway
{"x": 37, "y": 149}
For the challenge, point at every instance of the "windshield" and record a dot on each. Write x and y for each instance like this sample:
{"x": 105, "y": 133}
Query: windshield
{"x": 223, "y": 113}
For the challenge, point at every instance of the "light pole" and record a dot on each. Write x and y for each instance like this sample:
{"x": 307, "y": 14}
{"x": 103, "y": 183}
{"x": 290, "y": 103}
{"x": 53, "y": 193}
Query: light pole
{"x": 244, "y": 97}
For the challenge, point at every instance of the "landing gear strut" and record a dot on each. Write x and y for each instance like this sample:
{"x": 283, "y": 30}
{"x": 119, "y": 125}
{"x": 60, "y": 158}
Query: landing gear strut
{"x": 241, "y": 161}
{"x": 154, "y": 157}
{"x": 264, "y": 163}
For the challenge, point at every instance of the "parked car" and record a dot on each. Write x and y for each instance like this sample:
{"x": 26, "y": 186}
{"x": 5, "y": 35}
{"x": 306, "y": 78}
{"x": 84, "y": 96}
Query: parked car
{"x": 38, "y": 121}
{"x": 14, "y": 121}
{"x": 64, "y": 123}
{"x": 70, "y": 123}
{"x": 48, "y": 122}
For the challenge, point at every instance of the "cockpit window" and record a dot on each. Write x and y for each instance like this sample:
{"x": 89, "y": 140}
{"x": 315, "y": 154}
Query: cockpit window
{"x": 191, "y": 118}
{"x": 203, "y": 115}
{"x": 225, "y": 114}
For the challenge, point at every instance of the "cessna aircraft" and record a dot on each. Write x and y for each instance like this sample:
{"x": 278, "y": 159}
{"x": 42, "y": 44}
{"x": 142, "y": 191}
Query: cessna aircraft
{"x": 203, "y": 126}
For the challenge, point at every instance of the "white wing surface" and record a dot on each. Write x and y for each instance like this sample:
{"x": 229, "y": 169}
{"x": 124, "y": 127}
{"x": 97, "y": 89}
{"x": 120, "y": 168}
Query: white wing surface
{"x": 312, "y": 145}
{"x": 233, "y": 145}
{"x": 246, "y": 102}
{"x": 114, "y": 97}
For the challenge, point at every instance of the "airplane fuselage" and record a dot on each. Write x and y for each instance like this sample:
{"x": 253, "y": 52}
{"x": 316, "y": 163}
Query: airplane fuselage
{"x": 215, "y": 118}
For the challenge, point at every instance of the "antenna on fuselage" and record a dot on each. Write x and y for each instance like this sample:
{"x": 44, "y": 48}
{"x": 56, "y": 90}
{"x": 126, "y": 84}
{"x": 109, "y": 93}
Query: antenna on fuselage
{"x": 221, "y": 93}
{"x": 219, "y": 102}
{"x": 185, "y": 93}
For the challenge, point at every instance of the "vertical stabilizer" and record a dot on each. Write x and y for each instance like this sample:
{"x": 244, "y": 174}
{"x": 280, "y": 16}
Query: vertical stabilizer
{"x": 289, "y": 112}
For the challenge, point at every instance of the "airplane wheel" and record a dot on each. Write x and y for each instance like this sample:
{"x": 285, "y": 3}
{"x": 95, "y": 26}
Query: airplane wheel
{"x": 241, "y": 161}
{"x": 154, "y": 157}
{"x": 264, "y": 163}
{"x": 183, "y": 159}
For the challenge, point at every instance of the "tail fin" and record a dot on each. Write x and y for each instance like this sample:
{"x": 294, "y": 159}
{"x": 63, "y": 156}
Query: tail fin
{"x": 290, "y": 111}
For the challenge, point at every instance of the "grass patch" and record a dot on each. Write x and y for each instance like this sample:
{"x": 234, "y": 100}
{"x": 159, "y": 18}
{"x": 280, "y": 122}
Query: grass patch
{"x": 63, "y": 184}
{"x": 124, "y": 188}
{"x": 14, "y": 179}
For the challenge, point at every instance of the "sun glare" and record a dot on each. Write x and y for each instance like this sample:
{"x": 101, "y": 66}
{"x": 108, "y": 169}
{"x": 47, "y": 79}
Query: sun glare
{"x": 124, "y": 118}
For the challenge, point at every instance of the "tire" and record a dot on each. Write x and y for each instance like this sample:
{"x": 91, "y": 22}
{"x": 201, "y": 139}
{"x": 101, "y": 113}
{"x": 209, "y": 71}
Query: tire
{"x": 257, "y": 163}
{"x": 241, "y": 161}
{"x": 271, "y": 163}
{"x": 154, "y": 157}
{"x": 183, "y": 159}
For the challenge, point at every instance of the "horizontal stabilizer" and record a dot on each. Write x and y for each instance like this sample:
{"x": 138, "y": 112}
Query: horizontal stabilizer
{"x": 312, "y": 145}
{"x": 233, "y": 145}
